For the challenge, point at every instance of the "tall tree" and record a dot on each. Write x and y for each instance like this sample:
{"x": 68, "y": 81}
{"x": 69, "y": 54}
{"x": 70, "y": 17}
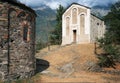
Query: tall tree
{"x": 56, "y": 35}
{"x": 113, "y": 21}
{"x": 111, "y": 41}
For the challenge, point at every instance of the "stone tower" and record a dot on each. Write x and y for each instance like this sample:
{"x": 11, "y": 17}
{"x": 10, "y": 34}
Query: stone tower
{"x": 17, "y": 40}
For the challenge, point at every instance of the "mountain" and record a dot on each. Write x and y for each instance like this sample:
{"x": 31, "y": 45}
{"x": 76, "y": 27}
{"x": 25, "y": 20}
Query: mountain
{"x": 45, "y": 22}
{"x": 100, "y": 11}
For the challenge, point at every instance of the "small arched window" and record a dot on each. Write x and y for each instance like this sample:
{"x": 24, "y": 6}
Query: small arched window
{"x": 67, "y": 25}
{"x": 82, "y": 23}
{"x": 25, "y": 33}
{"x": 98, "y": 24}
{"x": 74, "y": 16}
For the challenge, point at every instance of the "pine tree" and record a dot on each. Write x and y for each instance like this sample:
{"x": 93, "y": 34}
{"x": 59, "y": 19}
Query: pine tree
{"x": 111, "y": 41}
{"x": 56, "y": 35}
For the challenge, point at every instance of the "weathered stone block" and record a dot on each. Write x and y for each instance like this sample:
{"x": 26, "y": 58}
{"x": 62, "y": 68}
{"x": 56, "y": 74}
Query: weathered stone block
{"x": 2, "y": 22}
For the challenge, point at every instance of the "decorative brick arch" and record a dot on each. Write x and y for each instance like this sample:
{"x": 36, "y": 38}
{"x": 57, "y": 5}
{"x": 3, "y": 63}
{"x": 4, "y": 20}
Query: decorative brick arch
{"x": 26, "y": 31}
{"x": 21, "y": 14}
{"x": 29, "y": 17}
{"x": 10, "y": 9}
{"x": 25, "y": 25}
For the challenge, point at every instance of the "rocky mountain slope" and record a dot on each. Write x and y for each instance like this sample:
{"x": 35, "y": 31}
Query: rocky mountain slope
{"x": 45, "y": 22}
{"x": 100, "y": 11}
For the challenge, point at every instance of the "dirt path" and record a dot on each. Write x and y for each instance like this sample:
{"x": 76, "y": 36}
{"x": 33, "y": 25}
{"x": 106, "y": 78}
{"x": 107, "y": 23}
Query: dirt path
{"x": 71, "y": 64}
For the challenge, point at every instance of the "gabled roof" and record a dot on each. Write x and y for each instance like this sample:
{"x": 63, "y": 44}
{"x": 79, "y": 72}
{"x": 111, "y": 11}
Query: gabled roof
{"x": 80, "y": 5}
{"x": 22, "y": 6}
{"x": 75, "y": 4}
{"x": 97, "y": 17}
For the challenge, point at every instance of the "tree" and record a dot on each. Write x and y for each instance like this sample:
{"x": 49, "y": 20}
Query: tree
{"x": 56, "y": 35}
{"x": 111, "y": 41}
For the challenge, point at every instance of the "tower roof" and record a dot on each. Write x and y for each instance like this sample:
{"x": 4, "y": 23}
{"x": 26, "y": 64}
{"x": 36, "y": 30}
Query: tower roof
{"x": 15, "y": 3}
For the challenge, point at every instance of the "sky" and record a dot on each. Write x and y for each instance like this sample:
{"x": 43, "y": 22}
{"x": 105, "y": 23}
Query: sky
{"x": 55, "y": 3}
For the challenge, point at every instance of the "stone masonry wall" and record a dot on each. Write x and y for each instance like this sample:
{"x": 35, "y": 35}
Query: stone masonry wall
{"x": 97, "y": 28}
{"x": 3, "y": 41}
{"x": 16, "y": 60}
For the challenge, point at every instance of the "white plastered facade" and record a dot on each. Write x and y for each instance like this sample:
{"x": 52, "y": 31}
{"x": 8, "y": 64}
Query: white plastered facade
{"x": 76, "y": 25}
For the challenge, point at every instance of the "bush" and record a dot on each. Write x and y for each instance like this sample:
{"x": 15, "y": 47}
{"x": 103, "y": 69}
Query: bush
{"x": 40, "y": 45}
{"x": 111, "y": 53}
{"x": 106, "y": 61}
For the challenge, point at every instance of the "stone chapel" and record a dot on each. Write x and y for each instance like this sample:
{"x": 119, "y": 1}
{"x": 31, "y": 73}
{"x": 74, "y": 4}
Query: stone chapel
{"x": 79, "y": 25}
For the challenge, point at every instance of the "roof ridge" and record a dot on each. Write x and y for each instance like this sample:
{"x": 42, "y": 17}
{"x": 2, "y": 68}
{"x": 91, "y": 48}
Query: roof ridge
{"x": 80, "y": 5}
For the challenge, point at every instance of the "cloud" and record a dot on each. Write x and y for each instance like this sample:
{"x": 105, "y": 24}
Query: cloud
{"x": 55, "y": 3}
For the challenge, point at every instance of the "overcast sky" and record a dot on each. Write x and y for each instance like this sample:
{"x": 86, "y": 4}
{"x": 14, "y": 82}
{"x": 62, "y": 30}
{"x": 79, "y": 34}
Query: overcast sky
{"x": 55, "y": 3}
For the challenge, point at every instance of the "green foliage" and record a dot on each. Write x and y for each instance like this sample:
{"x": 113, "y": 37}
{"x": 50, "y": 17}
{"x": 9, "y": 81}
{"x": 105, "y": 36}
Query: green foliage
{"x": 113, "y": 22}
{"x": 111, "y": 41}
{"x": 106, "y": 61}
{"x": 40, "y": 45}
{"x": 56, "y": 35}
